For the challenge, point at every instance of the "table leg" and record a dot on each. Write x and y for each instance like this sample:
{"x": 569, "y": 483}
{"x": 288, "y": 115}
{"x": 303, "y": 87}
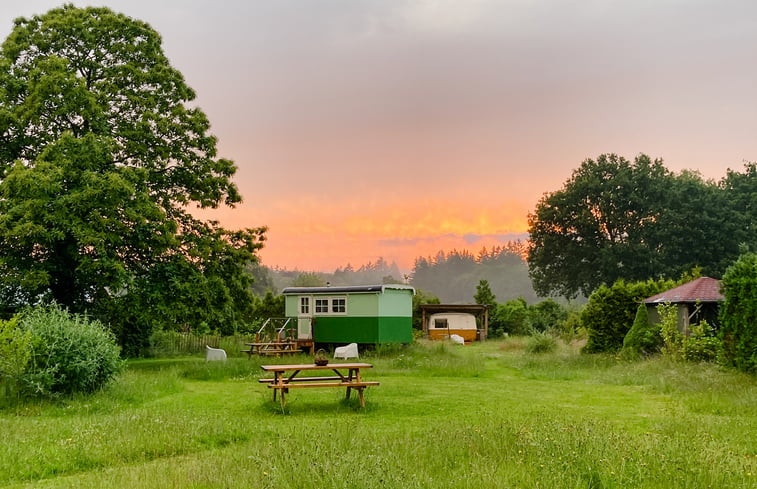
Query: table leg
{"x": 360, "y": 395}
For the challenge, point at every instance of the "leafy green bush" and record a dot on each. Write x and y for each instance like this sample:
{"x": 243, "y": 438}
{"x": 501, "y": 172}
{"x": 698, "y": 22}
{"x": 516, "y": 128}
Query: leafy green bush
{"x": 541, "y": 343}
{"x": 643, "y": 338}
{"x": 15, "y": 353}
{"x": 701, "y": 345}
{"x": 511, "y": 317}
{"x": 69, "y": 352}
{"x": 610, "y": 312}
{"x": 738, "y": 315}
{"x": 547, "y": 315}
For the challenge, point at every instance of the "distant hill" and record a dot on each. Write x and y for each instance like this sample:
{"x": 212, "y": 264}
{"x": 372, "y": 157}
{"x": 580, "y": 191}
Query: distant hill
{"x": 453, "y": 276}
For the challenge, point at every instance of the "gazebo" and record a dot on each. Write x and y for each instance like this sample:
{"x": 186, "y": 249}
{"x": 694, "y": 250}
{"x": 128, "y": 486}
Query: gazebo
{"x": 696, "y": 301}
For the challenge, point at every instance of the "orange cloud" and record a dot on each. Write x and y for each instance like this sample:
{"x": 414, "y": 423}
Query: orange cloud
{"x": 310, "y": 233}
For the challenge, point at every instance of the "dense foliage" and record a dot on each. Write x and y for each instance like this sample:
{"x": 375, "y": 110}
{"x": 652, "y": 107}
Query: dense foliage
{"x": 617, "y": 219}
{"x": 510, "y": 317}
{"x": 610, "y": 312}
{"x": 102, "y": 156}
{"x": 69, "y": 352}
{"x": 738, "y": 315}
{"x": 15, "y": 353}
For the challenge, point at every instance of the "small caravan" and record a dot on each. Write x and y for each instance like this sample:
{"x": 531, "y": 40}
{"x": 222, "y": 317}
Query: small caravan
{"x": 442, "y": 321}
{"x": 442, "y": 325}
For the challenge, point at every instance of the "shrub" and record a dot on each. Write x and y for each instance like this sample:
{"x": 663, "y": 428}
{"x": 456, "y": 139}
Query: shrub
{"x": 15, "y": 353}
{"x": 643, "y": 338}
{"x": 738, "y": 315}
{"x": 541, "y": 343}
{"x": 546, "y": 315}
{"x": 69, "y": 352}
{"x": 512, "y": 318}
{"x": 701, "y": 345}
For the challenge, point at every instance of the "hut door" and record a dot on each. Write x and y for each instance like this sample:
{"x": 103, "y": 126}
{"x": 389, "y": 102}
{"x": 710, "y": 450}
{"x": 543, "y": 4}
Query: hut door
{"x": 305, "y": 319}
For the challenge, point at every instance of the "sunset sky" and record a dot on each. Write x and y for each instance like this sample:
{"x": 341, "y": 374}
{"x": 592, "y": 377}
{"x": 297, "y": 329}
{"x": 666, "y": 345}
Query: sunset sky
{"x": 388, "y": 128}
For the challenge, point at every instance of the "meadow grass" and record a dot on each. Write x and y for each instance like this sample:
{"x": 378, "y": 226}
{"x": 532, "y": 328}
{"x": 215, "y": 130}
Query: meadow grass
{"x": 483, "y": 416}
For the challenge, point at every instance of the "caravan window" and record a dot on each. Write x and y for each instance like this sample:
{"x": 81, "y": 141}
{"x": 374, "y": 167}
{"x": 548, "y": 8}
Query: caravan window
{"x": 441, "y": 323}
{"x": 321, "y": 306}
{"x": 304, "y": 305}
{"x": 339, "y": 305}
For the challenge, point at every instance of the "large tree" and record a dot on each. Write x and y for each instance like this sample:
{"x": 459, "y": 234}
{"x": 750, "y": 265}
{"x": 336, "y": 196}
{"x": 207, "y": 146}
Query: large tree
{"x": 102, "y": 158}
{"x": 635, "y": 220}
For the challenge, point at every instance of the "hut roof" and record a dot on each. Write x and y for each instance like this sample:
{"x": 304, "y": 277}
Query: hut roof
{"x": 346, "y": 289}
{"x": 704, "y": 289}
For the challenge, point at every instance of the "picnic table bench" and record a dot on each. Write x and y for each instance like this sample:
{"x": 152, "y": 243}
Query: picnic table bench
{"x": 281, "y": 382}
{"x": 271, "y": 348}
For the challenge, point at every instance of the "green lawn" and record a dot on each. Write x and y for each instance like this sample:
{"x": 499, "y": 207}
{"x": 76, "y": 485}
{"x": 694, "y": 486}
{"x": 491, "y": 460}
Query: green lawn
{"x": 480, "y": 416}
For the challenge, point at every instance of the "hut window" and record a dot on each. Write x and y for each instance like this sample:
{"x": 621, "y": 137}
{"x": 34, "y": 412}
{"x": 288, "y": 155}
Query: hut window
{"x": 440, "y": 324}
{"x": 339, "y": 305}
{"x": 304, "y": 305}
{"x": 321, "y": 306}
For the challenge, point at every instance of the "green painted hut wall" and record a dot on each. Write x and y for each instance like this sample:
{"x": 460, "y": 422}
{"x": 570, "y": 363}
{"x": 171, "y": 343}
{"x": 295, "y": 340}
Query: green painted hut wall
{"x": 371, "y": 318}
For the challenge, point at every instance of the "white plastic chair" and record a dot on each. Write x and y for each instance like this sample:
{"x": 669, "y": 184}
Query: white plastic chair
{"x": 214, "y": 354}
{"x": 348, "y": 351}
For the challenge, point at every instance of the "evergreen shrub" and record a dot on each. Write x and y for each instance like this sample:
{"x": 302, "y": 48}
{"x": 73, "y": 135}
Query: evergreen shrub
{"x": 738, "y": 316}
{"x": 643, "y": 338}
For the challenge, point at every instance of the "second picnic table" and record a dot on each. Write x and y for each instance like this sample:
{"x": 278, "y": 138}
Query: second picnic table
{"x": 285, "y": 378}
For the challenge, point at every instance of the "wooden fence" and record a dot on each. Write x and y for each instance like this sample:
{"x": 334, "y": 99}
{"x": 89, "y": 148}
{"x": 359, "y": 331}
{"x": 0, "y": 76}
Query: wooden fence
{"x": 169, "y": 343}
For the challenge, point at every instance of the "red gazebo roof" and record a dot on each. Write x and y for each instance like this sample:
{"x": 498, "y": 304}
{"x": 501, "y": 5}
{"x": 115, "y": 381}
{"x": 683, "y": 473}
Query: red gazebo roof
{"x": 704, "y": 289}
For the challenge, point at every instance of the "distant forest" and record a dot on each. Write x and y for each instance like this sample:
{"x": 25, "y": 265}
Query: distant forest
{"x": 450, "y": 276}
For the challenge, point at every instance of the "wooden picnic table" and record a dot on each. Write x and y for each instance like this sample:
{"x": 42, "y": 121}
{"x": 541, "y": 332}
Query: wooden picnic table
{"x": 285, "y": 377}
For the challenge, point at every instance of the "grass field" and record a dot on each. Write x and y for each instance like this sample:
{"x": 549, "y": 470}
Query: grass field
{"x": 482, "y": 416}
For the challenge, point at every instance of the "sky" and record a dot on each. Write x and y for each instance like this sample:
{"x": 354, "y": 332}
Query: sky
{"x": 396, "y": 129}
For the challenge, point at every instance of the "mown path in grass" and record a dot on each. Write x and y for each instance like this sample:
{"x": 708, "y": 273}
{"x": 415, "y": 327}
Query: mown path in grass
{"x": 482, "y": 416}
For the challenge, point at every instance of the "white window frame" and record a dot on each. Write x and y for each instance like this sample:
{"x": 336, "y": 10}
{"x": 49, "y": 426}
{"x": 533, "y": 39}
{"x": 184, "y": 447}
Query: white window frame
{"x": 329, "y": 305}
{"x": 343, "y": 304}
{"x": 305, "y": 305}
{"x": 320, "y": 303}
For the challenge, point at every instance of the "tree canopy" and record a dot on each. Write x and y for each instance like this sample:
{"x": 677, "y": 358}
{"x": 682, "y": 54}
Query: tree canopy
{"x": 102, "y": 158}
{"x": 635, "y": 220}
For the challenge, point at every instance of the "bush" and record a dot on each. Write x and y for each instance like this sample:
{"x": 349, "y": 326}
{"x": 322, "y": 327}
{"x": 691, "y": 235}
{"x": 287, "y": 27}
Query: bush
{"x": 69, "y": 352}
{"x": 738, "y": 315}
{"x": 547, "y": 315}
{"x": 511, "y": 317}
{"x": 15, "y": 353}
{"x": 541, "y": 343}
{"x": 643, "y": 338}
{"x": 701, "y": 345}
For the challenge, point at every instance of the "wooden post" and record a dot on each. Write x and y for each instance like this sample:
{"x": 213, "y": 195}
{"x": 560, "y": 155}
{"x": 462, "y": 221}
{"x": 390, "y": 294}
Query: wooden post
{"x": 486, "y": 323}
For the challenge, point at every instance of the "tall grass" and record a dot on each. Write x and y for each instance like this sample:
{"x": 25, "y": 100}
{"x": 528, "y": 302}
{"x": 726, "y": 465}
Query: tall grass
{"x": 484, "y": 416}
